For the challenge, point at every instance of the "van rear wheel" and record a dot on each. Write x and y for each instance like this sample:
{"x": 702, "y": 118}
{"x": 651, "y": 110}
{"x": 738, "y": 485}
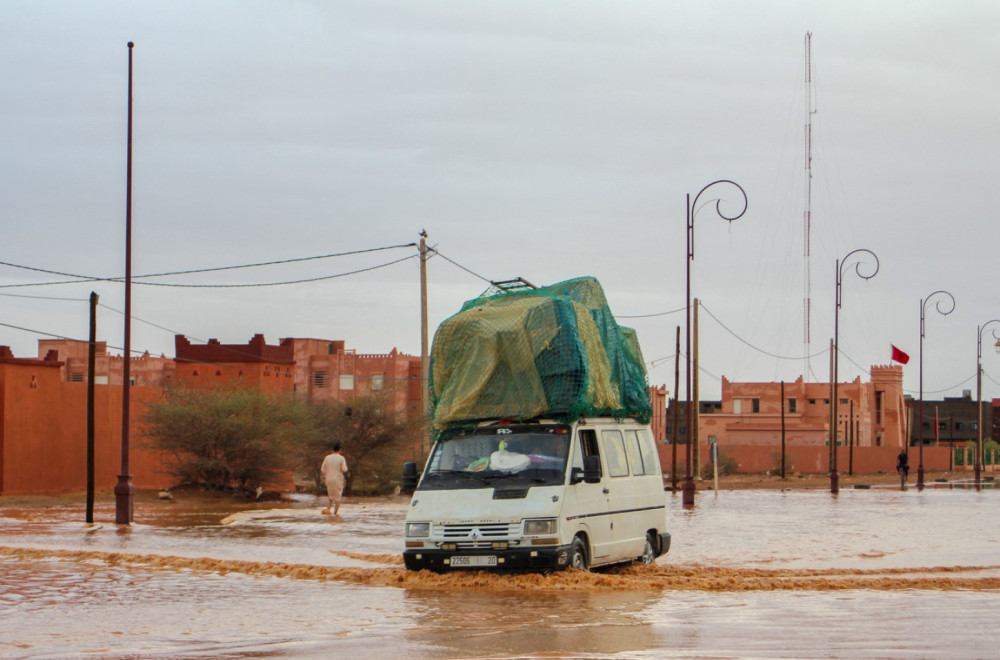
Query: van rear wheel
{"x": 649, "y": 550}
{"x": 578, "y": 555}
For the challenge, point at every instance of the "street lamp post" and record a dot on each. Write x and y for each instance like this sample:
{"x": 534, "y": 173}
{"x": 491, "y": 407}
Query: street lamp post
{"x": 687, "y": 487}
{"x": 979, "y": 394}
{"x": 125, "y": 490}
{"x": 834, "y": 476}
{"x": 920, "y": 407}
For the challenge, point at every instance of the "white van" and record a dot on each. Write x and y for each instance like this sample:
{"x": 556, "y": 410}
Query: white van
{"x": 539, "y": 496}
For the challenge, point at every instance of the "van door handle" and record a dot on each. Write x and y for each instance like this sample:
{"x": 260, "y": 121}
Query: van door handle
{"x": 606, "y": 490}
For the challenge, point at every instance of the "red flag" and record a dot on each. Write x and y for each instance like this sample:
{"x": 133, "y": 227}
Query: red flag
{"x": 899, "y": 356}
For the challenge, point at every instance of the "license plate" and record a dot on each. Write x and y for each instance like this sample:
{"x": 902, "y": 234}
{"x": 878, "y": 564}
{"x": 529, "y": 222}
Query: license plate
{"x": 462, "y": 561}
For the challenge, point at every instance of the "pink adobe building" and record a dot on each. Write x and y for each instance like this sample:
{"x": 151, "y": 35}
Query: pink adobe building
{"x": 146, "y": 370}
{"x": 322, "y": 369}
{"x": 870, "y": 414}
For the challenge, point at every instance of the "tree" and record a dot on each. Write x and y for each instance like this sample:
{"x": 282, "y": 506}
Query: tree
{"x": 373, "y": 437}
{"x": 225, "y": 438}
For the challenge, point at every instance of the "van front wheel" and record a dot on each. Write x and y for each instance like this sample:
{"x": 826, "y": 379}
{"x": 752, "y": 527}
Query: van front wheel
{"x": 578, "y": 555}
{"x": 649, "y": 550}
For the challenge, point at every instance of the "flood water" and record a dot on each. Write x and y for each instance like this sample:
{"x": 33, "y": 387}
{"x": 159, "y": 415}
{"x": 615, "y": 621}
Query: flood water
{"x": 752, "y": 574}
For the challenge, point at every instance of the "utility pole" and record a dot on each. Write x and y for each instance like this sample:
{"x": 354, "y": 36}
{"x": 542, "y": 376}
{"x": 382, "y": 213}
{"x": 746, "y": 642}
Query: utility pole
{"x": 91, "y": 364}
{"x": 677, "y": 405}
{"x": 696, "y": 448}
{"x": 424, "y": 353}
{"x": 782, "y": 429}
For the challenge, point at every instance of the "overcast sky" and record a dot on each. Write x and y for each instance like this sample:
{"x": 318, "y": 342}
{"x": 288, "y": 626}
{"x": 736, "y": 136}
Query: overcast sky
{"x": 543, "y": 140}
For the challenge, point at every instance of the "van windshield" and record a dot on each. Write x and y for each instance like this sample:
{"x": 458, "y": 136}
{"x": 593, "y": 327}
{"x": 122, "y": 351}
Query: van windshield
{"x": 523, "y": 454}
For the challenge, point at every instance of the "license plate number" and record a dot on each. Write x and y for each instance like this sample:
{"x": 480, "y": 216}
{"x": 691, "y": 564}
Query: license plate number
{"x": 473, "y": 560}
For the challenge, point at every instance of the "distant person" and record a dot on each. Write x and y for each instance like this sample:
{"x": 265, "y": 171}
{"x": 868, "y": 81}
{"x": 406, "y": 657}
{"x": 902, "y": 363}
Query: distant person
{"x": 903, "y": 465}
{"x": 334, "y": 471}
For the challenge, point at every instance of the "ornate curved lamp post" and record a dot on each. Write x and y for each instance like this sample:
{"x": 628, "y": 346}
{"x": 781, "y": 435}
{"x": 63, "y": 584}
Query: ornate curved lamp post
{"x": 687, "y": 487}
{"x": 943, "y": 311}
{"x": 125, "y": 490}
{"x": 979, "y": 394}
{"x": 841, "y": 263}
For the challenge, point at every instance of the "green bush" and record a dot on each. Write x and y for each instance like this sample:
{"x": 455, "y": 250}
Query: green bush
{"x": 240, "y": 439}
{"x": 224, "y": 439}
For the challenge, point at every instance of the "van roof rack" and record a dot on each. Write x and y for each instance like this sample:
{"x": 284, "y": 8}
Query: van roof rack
{"x": 512, "y": 286}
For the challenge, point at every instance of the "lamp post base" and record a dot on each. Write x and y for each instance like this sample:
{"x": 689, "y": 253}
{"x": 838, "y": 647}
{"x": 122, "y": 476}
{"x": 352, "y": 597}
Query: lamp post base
{"x": 124, "y": 497}
{"x": 920, "y": 477}
{"x": 687, "y": 491}
{"x": 834, "y": 481}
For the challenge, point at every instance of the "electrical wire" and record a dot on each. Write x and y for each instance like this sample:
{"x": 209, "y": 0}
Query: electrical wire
{"x": 88, "y": 278}
{"x": 458, "y": 265}
{"x": 647, "y": 316}
{"x": 749, "y": 345}
{"x": 21, "y": 295}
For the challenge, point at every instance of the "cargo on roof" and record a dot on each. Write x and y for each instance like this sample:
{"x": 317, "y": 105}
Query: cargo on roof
{"x": 526, "y": 353}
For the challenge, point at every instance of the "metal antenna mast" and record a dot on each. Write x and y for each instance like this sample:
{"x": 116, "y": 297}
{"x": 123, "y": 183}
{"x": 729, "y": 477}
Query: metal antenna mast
{"x": 807, "y": 216}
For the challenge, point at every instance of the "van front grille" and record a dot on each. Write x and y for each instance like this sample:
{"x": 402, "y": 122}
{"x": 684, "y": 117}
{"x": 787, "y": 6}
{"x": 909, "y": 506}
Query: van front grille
{"x": 470, "y": 536}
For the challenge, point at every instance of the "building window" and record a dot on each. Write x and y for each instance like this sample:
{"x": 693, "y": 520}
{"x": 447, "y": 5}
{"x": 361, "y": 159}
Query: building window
{"x": 941, "y": 426}
{"x": 878, "y": 406}
{"x": 812, "y": 402}
{"x": 791, "y": 405}
{"x": 737, "y": 406}
{"x": 843, "y": 402}
{"x": 755, "y": 405}
{"x": 76, "y": 377}
{"x": 347, "y": 381}
{"x": 377, "y": 380}
{"x": 958, "y": 426}
{"x": 319, "y": 379}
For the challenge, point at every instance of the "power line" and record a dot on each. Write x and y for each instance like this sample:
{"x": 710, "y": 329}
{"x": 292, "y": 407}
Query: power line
{"x": 19, "y": 295}
{"x": 89, "y": 278}
{"x": 647, "y": 316}
{"x": 285, "y": 283}
{"x": 39, "y": 332}
{"x": 458, "y": 265}
{"x": 759, "y": 350}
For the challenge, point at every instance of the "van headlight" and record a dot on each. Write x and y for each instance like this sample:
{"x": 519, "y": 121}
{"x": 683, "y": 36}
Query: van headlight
{"x": 541, "y": 527}
{"x": 418, "y": 529}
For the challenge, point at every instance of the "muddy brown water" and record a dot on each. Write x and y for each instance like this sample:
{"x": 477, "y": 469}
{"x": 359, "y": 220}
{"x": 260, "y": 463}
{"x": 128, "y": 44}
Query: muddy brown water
{"x": 752, "y": 574}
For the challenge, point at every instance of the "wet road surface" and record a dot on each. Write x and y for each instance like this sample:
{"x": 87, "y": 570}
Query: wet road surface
{"x": 752, "y": 574}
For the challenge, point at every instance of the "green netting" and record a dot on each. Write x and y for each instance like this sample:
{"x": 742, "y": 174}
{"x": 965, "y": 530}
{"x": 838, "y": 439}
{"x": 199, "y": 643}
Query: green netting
{"x": 555, "y": 352}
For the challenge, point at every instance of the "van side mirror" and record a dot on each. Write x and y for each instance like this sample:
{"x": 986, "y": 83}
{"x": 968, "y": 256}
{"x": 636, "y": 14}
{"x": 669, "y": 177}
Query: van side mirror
{"x": 410, "y": 477}
{"x": 592, "y": 469}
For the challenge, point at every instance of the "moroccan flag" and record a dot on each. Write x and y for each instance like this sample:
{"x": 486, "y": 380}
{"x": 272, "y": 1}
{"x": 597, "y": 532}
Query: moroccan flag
{"x": 899, "y": 356}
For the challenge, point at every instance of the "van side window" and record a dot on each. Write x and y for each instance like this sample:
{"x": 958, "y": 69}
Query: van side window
{"x": 634, "y": 455}
{"x": 647, "y": 448}
{"x": 614, "y": 449}
{"x": 588, "y": 447}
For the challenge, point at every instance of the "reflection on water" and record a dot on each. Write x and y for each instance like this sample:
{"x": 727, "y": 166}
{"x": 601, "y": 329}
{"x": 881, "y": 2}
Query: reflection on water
{"x": 751, "y": 574}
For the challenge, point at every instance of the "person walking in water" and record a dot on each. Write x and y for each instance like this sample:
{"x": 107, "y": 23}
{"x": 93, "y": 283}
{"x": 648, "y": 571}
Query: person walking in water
{"x": 333, "y": 471}
{"x": 903, "y": 467}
